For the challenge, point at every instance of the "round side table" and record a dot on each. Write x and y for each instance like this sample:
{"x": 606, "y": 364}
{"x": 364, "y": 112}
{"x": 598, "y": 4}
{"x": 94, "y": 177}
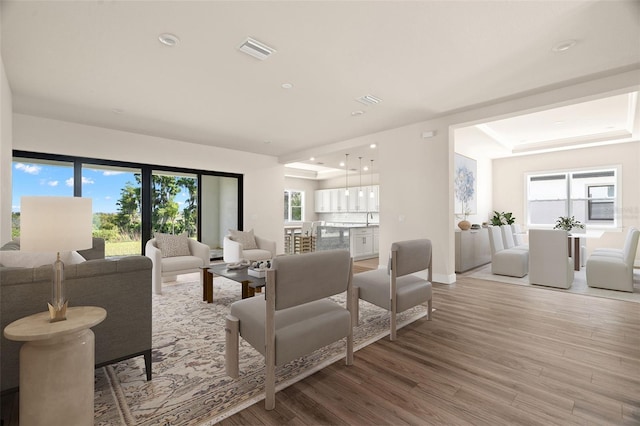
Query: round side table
{"x": 57, "y": 365}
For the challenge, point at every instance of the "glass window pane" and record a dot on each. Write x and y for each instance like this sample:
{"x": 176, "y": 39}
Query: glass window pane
{"x": 32, "y": 177}
{"x": 174, "y": 203}
{"x": 219, "y": 209}
{"x": 116, "y": 195}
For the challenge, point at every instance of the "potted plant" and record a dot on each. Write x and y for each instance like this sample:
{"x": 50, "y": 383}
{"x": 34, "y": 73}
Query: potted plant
{"x": 568, "y": 223}
{"x": 502, "y": 218}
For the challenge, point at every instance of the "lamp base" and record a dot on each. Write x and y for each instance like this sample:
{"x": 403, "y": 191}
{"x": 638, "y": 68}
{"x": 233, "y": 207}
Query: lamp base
{"x": 58, "y": 314}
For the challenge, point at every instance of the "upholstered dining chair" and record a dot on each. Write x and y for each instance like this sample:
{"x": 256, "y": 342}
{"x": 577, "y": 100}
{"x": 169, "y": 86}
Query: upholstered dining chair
{"x": 295, "y": 318}
{"x": 508, "y": 238}
{"x": 549, "y": 261}
{"x": 397, "y": 289}
{"x": 611, "y": 270}
{"x": 511, "y": 262}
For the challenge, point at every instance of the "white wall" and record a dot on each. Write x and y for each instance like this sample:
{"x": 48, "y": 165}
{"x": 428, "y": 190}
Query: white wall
{"x": 5, "y": 156}
{"x": 263, "y": 176}
{"x": 509, "y": 190}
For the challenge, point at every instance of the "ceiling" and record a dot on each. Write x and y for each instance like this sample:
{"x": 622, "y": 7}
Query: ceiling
{"x": 101, "y": 63}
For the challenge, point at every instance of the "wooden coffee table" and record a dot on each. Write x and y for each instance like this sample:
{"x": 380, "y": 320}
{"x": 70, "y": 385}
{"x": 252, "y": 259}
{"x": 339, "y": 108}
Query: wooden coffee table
{"x": 250, "y": 284}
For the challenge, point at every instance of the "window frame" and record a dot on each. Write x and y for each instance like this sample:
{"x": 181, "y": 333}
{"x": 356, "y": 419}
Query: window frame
{"x": 569, "y": 199}
{"x": 289, "y": 192}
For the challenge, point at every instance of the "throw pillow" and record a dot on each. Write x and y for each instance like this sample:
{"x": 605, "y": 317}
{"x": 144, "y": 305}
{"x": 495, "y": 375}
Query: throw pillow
{"x": 247, "y": 239}
{"x": 21, "y": 259}
{"x": 172, "y": 245}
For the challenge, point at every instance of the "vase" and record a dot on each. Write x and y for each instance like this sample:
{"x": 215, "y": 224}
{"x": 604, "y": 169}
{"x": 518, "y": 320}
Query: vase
{"x": 464, "y": 225}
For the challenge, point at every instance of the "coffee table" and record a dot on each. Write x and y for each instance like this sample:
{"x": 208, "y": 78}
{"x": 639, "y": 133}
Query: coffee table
{"x": 250, "y": 284}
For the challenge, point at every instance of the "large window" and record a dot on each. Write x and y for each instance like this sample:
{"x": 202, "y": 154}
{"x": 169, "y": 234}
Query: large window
{"x": 592, "y": 196}
{"x": 293, "y": 205}
{"x": 130, "y": 200}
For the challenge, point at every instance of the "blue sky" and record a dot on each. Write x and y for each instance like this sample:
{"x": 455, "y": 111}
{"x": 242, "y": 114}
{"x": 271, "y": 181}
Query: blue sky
{"x": 101, "y": 185}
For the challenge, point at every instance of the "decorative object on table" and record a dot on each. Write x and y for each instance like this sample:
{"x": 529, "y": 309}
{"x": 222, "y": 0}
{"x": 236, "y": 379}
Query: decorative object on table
{"x": 259, "y": 269}
{"x": 568, "y": 223}
{"x": 502, "y": 218}
{"x": 55, "y": 224}
{"x": 465, "y": 189}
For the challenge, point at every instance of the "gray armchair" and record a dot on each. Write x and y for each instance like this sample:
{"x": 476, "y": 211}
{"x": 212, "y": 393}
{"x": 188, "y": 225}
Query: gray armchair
{"x": 296, "y": 318}
{"x": 398, "y": 289}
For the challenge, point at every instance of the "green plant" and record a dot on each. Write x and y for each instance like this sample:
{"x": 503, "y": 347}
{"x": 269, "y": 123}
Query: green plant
{"x": 568, "y": 223}
{"x": 502, "y": 218}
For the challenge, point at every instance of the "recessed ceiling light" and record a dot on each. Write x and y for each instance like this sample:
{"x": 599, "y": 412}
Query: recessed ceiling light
{"x": 558, "y": 123}
{"x": 287, "y": 85}
{"x": 563, "y": 46}
{"x": 365, "y": 168}
{"x": 267, "y": 142}
{"x": 312, "y": 159}
{"x": 358, "y": 112}
{"x": 168, "y": 39}
{"x": 342, "y": 164}
{"x": 373, "y": 146}
{"x": 117, "y": 110}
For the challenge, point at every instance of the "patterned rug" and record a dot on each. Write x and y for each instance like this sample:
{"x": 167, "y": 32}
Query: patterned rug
{"x": 189, "y": 385}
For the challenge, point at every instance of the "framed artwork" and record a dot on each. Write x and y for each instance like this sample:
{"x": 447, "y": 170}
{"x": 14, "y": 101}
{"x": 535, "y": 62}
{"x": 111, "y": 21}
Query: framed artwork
{"x": 465, "y": 185}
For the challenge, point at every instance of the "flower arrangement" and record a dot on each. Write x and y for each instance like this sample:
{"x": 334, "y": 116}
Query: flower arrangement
{"x": 568, "y": 223}
{"x": 502, "y": 218}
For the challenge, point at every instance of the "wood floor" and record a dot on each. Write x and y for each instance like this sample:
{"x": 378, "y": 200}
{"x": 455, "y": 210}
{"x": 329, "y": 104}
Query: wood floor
{"x": 494, "y": 354}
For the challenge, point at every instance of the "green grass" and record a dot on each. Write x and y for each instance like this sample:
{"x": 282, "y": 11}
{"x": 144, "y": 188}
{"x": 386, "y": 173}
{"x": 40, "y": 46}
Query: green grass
{"x": 127, "y": 248}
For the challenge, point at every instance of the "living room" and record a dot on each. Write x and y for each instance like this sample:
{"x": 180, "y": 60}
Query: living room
{"x": 423, "y": 208}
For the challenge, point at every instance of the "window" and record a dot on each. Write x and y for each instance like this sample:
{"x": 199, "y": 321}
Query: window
{"x": 589, "y": 195}
{"x": 293, "y": 205}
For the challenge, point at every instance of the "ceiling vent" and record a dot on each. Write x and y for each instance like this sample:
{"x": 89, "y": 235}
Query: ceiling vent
{"x": 256, "y": 49}
{"x": 369, "y": 100}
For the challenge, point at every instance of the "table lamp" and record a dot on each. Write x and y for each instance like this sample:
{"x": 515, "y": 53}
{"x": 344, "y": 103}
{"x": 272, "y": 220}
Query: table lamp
{"x": 55, "y": 224}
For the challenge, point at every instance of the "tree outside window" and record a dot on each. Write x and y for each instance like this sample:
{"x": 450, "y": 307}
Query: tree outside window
{"x": 293, "y": 205}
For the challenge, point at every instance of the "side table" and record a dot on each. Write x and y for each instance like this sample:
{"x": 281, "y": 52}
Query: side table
{"x": 57, "y": 365}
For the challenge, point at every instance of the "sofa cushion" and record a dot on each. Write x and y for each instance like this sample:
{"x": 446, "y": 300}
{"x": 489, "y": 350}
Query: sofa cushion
{"x": 21, "y": 259}
{"x": 247, "y": 239}
{"x": 11, "y": 245}
{"x": 172, "y": 245}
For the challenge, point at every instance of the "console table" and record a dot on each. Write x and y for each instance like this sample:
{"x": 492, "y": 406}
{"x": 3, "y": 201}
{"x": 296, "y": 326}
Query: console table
{"x": 472, "y": 249}
{"x": 57, "y": 365}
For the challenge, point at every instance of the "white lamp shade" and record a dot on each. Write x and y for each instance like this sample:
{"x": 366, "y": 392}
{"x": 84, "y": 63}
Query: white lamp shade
{"x": 55, "y": 224}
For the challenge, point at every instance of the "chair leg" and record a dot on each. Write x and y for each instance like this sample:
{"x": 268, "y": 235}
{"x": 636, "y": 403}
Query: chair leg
{"x": 355, "y": 319}
{"x": 232, "y": 341}
{"x": 392, "y": 335}
{"x": 270, "y": 383}
{"x": 429, "y": 309}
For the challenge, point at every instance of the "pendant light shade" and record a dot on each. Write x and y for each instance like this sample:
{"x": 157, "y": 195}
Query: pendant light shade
{"x": 371, "y": 195}
{"x": 360, "y": 192}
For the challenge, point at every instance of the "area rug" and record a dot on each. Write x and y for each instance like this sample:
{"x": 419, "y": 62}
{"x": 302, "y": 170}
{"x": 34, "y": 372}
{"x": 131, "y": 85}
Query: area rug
{"x": 579, "y": 285}
{"x": 189, "y": 385}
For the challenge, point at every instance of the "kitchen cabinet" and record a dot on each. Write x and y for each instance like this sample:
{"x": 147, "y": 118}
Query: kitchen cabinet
{"x": 472, "y": 249}
{"x": 335, "y": 200}
{"x": 364, "y": 242}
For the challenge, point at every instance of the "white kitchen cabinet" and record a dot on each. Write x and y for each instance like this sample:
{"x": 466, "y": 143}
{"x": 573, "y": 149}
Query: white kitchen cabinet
{"x": 364, "y": 242}
{"x": 323, "y": 201}
{"x": 335, "y": 200}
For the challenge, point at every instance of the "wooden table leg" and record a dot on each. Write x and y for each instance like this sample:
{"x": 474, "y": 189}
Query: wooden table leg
{"x": 207, "y": 285}
{"x": 246, "y": 290}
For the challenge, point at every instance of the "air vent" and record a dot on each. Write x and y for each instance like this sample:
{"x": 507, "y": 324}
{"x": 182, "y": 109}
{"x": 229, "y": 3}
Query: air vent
{"x": 256, "y": 49}
{"x": 369, "y": 100}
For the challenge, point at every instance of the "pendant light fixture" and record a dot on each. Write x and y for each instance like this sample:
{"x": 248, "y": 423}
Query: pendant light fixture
{"x": 346, "y": 175}
{"x": 360, "y": 192}
{"x": 371, "y": 175}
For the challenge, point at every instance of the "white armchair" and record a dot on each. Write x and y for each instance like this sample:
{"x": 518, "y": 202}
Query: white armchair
{"x": 239, "y": 246}
{"x": 611, "y": 270}
{"x": 168, "y": 265}
{"x": 549, "y": 261}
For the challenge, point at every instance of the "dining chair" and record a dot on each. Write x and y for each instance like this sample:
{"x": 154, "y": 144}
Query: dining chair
{"x": 295, "y": 317}
{"x": 396, "y": 288}
{"x": 613, "y": 271}
{"x": 510, "y": 262}
{"x": 549, "y": 261}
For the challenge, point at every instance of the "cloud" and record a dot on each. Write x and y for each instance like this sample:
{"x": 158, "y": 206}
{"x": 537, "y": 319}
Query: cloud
{"x": 53, "y": 183}
{"x": 108, "y": 197}
{"x": 28, "y": 168}
{"x": 87, "y": 180}
{"x": 111, "y": 173}
{"x": 69, "y": 182}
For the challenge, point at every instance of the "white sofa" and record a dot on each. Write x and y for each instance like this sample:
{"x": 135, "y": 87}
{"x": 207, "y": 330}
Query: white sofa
{"x": 233, "y": 251}
{"x": 168, "y": 268}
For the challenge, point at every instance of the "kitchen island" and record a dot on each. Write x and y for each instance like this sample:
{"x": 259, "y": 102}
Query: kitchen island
{"x": 360, "y": 239}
